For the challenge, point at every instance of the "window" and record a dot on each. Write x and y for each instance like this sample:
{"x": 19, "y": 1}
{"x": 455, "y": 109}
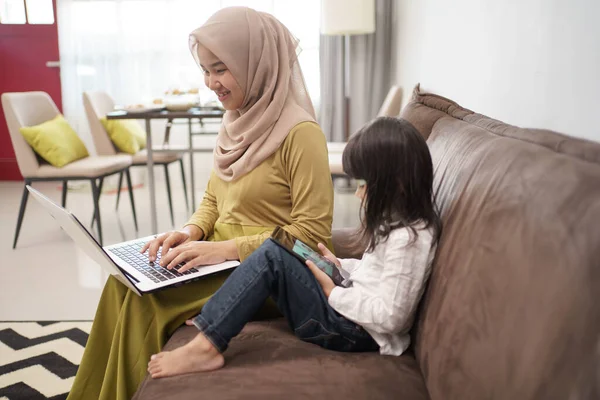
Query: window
{"x": 137, "y": 49}
{"x": 12, "y": 12}
{"x": 40, "y": 12}
{"x": 35, "y": 12}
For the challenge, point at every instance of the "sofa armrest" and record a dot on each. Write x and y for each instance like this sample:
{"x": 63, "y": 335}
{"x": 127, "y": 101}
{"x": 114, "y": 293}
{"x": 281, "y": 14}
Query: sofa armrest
{"x": 347, "y": 243}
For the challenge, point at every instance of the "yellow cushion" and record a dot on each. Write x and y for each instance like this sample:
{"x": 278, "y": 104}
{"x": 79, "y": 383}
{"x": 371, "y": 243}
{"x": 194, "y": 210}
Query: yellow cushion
{"x": 55, "y": 141}
{"x": 126, "y": 134}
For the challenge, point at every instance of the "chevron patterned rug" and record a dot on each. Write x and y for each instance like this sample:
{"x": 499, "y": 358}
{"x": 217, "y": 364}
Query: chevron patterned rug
{"x": 38, "y": 360}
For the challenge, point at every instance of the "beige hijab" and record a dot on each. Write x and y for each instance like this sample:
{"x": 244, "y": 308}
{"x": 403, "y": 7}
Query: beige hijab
{"x": 261, "y": 54}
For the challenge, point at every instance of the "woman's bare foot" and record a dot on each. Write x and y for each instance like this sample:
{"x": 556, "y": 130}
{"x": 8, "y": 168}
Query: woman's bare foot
{"x": 199, "y": 355}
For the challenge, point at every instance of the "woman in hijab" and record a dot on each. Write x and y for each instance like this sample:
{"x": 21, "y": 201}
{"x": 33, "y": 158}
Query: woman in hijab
{"x": 270, "y": 169}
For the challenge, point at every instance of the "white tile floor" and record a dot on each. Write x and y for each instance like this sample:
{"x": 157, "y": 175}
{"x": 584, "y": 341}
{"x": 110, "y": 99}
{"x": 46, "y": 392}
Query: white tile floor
{"x": 48, "y": 278}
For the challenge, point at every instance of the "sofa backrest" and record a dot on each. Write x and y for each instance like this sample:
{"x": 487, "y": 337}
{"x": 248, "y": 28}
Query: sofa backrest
{"x": 512, "y": 309}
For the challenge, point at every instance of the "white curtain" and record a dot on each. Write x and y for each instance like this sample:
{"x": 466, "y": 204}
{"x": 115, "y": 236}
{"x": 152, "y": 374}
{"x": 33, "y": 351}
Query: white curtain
{"x": 137, "y": 49}
{"x": 370, "y": 75}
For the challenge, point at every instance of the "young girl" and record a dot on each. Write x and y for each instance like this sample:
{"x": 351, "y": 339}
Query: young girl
{"x": 376, "y": 307}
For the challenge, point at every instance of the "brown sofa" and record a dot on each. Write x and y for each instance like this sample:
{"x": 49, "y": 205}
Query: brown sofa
{"x": 512, "y": 310}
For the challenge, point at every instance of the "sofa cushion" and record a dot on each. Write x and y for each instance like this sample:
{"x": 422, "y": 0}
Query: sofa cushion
{"x": 266, "y": 361}
{"x": 512, "y": 310}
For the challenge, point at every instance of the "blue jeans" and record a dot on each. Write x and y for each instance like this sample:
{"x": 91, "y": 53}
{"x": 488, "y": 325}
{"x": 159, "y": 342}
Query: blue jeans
{"x": 272, "y": 271}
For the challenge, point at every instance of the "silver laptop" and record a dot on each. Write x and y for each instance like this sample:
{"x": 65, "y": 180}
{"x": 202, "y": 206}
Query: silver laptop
{"x": 124, "y": 260}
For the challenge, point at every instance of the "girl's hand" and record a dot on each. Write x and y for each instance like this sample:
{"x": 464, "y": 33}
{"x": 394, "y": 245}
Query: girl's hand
{"x": 195, "y": 254}
{"x": 329, "y": 255}
{"x": 324, "y": 280}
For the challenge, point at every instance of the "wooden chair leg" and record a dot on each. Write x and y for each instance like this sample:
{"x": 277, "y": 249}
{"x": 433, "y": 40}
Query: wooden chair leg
{"x": 130, "y": 189}
{"x": 64, "y": 193}
{"x": 96, "y": 195}
{"x": 168, "y": 183}
{"x": 119, "y": 190}
{"x": 185, "y": 192}
{"x": 24, "y": 198}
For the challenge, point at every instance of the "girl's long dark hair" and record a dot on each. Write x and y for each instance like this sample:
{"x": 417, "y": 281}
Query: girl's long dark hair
{"x": 394, "y": 160}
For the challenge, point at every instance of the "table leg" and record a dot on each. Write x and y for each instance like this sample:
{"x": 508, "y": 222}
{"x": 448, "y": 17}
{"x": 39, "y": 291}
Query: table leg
{"x": 150, "y": 165}
{"x": 192, "y": 180}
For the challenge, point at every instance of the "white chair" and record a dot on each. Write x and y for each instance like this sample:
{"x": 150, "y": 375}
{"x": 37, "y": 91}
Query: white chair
{"x": 335, "y": 150}
{"x": 97, "y": 105}
{"x": 33, "y": 108}
{"x": 389, "y": 108}
{"x": 391, "y": 104}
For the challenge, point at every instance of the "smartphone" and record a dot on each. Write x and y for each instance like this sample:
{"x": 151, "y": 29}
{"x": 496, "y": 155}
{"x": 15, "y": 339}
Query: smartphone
{"x": 304, "y": 253}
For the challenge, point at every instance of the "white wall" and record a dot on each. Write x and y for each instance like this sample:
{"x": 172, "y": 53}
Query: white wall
{"x": 531, "y": 63}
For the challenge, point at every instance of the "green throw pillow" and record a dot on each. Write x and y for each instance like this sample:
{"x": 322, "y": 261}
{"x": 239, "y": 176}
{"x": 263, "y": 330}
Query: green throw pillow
{"x": 126, "y": 134}
{"x": 55, "y": 141}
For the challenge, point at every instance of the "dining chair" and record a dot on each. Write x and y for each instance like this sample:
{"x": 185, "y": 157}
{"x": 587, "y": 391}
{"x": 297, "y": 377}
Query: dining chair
{"x": 97, "y": 104}
{"x": 33, "y": 108}
{"x": 391, "y": 104}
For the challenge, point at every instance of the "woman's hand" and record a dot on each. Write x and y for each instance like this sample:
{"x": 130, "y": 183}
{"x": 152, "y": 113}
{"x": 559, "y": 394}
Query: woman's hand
{"x": 170, "y": 240}
{"x": 194, "y": 254}
{"x": 324, "y": 280}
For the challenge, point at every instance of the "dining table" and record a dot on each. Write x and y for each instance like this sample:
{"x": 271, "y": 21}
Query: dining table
{"x": 199, "y": 114}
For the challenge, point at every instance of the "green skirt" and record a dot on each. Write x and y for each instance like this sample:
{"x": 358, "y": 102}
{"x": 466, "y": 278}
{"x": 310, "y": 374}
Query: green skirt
{"x": 128, "y": 329}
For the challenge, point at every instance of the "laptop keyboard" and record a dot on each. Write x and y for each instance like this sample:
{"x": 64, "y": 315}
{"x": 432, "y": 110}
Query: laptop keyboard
{"x": 131, "y": 254}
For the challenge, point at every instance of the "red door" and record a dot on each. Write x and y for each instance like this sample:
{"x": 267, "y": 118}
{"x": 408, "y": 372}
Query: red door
{"x": 28, "y": 62}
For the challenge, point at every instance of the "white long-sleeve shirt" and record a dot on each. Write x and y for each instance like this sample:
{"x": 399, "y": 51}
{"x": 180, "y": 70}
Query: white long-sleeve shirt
{"x": 384, "y": 288}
